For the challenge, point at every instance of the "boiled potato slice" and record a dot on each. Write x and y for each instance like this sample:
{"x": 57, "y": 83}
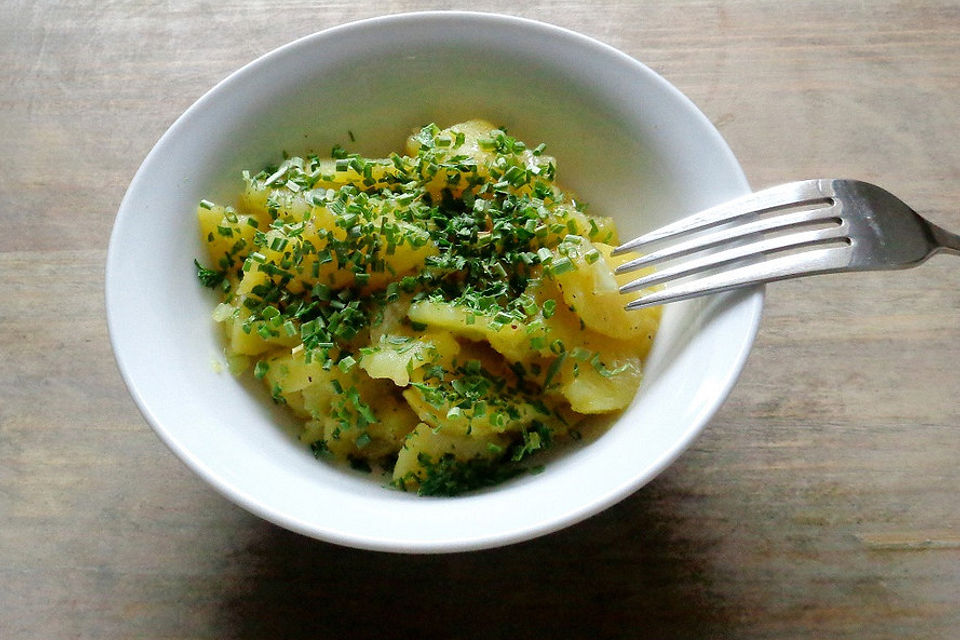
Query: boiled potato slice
{"x": 228, "y": 235}
{"x": 512, "y": 340}
{"x": 376, "y": 440}
{"x": 341, "y": 405}
{"x": 425, "y": 444}
{"x": 592, "y": 290}
{"x": 397, "y": 356}
{"x": 254, "y": 342}
{"x": 590, "y": 388}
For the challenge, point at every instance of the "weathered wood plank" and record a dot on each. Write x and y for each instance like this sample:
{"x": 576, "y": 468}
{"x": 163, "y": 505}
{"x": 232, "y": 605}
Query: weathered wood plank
{"x": 820, "y": 502}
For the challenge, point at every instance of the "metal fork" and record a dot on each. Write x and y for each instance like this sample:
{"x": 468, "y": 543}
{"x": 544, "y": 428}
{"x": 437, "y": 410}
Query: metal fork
{"x": 795, "y": 229}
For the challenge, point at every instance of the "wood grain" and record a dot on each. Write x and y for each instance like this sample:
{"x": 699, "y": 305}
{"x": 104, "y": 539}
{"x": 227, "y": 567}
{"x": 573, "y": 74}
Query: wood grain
{"x": 820, "y": 503}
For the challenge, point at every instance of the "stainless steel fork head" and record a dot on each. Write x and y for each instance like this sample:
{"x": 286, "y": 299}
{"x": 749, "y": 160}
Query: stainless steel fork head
{"x": 859, "y": 226}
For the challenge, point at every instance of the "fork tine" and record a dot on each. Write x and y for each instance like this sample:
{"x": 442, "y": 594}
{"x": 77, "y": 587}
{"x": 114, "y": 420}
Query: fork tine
{"x": 731, "y": 235}
{"x": 785, "y": 195}
{"x": 735, "y": 254}
{"x": 811, "y": 262}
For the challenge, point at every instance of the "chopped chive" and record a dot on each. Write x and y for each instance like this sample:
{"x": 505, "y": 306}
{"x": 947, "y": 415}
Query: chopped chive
{"x": 579, "y": 353}
{"x": 561, "y": 266}
{"x": 553, "y": 369}
{"x": 347, "y": 363}
{"x": 549, "y": 308}
{"x": 208, "y": 277}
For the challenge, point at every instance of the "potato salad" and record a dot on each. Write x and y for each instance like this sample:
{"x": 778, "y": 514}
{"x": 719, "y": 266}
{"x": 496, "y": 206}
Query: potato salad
{"x": 441, "y": 315}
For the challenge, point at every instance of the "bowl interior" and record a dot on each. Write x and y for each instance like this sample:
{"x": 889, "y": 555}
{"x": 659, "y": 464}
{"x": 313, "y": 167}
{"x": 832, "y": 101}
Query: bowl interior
{"x": 625, "y": 141}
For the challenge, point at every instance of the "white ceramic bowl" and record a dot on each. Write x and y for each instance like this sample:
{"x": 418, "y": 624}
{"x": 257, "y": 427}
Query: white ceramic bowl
{"x": 628, "y": 142}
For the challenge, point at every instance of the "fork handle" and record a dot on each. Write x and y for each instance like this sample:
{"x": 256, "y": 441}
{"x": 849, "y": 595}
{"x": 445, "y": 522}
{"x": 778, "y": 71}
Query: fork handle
{"x": 948, "y": 242}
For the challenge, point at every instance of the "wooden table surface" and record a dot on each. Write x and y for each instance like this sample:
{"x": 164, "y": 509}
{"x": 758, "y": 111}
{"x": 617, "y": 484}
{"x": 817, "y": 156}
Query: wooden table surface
{"x": 821, "y": 502}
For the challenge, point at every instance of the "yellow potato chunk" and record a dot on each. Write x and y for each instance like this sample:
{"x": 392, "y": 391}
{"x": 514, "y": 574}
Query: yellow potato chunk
{"x": 228, "y": 234}
{"x": 353, "y": 414}
{"x": 396, "y": 357}
{"x": 424, "y": 445}
{"x": 255, "y": 339}
{"x": 512, "y": 340}
{"x": 592, "y": 290}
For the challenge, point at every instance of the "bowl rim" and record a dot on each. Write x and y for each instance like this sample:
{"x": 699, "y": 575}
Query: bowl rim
{"x": 748, "y": 302}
